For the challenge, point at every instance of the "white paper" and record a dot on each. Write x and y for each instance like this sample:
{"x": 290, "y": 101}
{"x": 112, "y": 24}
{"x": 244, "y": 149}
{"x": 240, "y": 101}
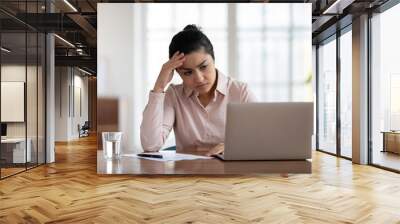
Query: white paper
{"x": 170, "y": 156}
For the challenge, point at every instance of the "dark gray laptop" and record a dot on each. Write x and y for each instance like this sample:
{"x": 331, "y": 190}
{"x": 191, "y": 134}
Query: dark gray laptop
{"x": 268, "y": 131}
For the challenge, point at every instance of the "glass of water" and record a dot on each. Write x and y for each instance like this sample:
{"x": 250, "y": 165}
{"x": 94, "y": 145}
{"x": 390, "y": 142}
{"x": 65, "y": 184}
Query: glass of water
{"x": 112, "y": 144}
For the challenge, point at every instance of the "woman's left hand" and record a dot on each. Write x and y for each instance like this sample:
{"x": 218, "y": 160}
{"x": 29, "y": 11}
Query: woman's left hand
{"x": 218, "y": 149}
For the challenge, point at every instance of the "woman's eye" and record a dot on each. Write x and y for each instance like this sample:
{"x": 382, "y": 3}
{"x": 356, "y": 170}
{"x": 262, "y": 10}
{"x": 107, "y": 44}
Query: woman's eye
{"x": 187, "y": 73}
{"x": 203, "y": 67}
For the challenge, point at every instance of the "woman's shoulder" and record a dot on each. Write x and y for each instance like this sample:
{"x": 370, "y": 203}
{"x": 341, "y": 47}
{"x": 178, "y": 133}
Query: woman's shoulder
{"x": 239, "y": 91}
{"x": 238, "y": 83}
{"x": 229, "y": 82}
{"x": 234, "y": 84}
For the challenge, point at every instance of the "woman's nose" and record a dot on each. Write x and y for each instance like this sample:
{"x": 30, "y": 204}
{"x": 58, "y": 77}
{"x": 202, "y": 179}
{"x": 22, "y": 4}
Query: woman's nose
{"x": 198, "y": 77}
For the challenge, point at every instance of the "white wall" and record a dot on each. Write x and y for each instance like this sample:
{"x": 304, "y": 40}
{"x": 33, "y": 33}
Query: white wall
{"x": 68, "y": 82}
{"x": 79, "y": 117}
{"x": 61, "y": 104}
{"x": 115, "y": 65}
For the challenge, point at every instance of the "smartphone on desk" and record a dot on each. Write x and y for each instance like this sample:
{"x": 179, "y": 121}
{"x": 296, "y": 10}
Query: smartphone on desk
{"x": 147, "y": 155}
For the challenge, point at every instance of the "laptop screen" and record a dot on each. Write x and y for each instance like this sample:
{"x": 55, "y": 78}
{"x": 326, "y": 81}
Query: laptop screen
{"x": 3, "y": 129}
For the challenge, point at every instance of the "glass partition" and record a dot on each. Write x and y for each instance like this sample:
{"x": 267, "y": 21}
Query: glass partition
{"x": 327, "y": 96}
{"x": 346, "y": 94}
{"x": 31, "y": 99}
{"x": 41, "y": 87}
{"x": 13, "y": 114}
{"x": 22, "y": 90}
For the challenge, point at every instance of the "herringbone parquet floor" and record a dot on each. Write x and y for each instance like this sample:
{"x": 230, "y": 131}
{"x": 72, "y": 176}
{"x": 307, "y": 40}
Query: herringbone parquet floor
{"x": 69, "y": 191}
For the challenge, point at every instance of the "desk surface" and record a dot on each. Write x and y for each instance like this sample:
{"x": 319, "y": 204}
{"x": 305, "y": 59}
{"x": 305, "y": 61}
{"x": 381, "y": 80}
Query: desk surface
{"x": 390, "y": 132}
{"x": 13, "y": 140}
{"x": 138, "y": 166}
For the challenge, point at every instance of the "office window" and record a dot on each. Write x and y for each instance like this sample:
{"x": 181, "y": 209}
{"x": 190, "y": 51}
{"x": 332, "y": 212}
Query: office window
{"x": 274, "y": 51}
{"x": 346, "y": 94}
{"x": 385, "y": 114}
{"x": 394, "y": 102}
{"x": 327, "y": 96}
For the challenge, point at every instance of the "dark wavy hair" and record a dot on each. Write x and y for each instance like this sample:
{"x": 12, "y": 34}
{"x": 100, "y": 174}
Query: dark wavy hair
{"x": 190, "y": 39}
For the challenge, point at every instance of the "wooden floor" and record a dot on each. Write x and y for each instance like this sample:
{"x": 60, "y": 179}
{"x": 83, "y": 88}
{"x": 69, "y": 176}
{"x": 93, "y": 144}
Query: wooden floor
{"x": 70, "y": 191}
{"x": 5, "y": 172}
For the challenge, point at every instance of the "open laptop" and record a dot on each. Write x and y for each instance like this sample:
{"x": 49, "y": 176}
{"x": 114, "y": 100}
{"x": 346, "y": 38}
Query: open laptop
{"x": 268, "y": 131}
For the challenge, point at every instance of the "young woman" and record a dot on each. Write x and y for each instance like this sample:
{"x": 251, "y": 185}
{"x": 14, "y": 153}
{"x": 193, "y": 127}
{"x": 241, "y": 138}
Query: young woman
{"x": 195, "y": 109}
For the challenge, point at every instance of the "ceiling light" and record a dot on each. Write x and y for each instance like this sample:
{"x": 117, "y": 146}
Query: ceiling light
{"x": 5, "y": 50}
{"x": 70, "y": 5}
{"x": 338, "y": 6}
{"x": 65, "y": 41}
{"x": 331, "y": 7}
{"x": 84, "y": 71}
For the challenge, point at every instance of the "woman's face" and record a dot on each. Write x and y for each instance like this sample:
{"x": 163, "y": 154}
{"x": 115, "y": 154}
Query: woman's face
{"x": 198, "y": 71}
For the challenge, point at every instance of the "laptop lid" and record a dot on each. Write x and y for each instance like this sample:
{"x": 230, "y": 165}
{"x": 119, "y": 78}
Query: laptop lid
{"x": 268, "y": 131}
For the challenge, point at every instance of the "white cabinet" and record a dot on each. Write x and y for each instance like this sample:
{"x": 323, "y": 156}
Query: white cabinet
{"x": 17, "y": 145}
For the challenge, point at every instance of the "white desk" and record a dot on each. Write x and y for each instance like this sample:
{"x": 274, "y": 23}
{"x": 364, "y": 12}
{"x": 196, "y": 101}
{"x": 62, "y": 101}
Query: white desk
{"x": 18, "y": 149}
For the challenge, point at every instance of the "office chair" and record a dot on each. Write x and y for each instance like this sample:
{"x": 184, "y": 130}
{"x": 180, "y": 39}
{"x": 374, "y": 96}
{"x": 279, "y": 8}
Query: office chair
{"x": 84, "y": 130}
{"x": 172, "y": 148}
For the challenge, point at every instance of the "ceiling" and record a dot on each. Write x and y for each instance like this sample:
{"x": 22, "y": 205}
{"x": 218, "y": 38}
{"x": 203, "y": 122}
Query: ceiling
{"x": 76, "y": 22}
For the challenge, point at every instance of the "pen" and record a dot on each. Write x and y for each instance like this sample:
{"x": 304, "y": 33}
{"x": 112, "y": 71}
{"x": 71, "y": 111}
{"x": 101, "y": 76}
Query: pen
{"x": 150, "y": 155}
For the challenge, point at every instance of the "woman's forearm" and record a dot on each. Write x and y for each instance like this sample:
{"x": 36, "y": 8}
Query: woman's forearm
{"x": 151, "y": 135}
{"x": 158, "y": 118}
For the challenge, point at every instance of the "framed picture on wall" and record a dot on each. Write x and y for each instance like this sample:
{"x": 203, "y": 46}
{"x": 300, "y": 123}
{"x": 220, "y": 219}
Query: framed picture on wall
{"x": 12, "y": 101}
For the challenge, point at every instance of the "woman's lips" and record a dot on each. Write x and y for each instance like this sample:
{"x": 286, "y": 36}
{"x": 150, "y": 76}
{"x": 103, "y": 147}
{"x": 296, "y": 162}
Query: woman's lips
{"x": 202, "y": 85}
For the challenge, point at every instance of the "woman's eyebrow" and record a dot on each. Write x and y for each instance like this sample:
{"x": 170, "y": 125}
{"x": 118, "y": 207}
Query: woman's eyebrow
{"x": 196, "y": 66}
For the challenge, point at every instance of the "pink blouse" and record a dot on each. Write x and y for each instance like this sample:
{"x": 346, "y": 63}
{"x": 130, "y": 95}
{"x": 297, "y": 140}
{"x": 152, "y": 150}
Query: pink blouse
{"x": 195, "y": 126}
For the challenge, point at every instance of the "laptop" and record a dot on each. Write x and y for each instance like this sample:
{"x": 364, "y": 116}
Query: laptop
{"x": 268, "y": 131}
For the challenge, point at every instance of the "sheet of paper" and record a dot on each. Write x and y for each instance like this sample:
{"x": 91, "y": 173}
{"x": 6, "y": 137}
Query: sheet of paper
{"x": 170, "y": 156}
